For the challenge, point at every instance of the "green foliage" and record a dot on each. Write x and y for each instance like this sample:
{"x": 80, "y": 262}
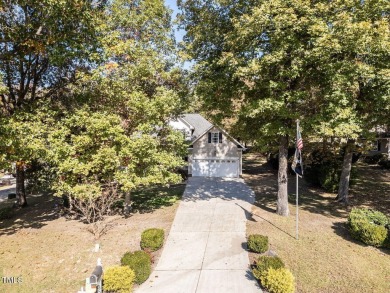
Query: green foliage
{"x": 369, "y": 226}
{"x": 279, "y": 280}
{"x": 118, "y": 279}
{"x": 6, "y": 213}
{"x": 152, "y": 239}
{"x": 40, "y": 177}
{"x": 23, "y": 136}
{"x": 323, "y": 170}
{"x": 140, "y": 263}
{"x": 44, "y": 42}
{"x": 258, "y": 243}
{"x": 264, "y": 263}
{"x": 108, "y": 132}
{"x": 269, "y": 63}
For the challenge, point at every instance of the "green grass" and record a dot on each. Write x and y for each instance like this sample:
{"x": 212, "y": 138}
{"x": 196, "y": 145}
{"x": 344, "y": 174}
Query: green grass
{"x": 325, "y": 258}
{"x": 152, "y": 198}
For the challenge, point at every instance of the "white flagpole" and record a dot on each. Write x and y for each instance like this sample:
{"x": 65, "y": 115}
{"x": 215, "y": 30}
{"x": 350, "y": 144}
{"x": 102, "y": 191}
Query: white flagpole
{"x": 296, "y": 193}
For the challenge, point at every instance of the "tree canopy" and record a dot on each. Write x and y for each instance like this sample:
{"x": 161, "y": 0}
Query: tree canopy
{"x": 106, "y": 131}
{"x": 272, "y": 62}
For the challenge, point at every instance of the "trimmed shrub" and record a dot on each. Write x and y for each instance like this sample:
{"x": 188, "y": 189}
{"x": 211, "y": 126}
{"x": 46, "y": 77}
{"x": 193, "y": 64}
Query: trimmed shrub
{"x": 152, "y": 239}
{"x": 369, "y": 226}
{"x": 139, "y": 261}
{"x": 264, "y": 263}
{"x": 279, "y": 280}
{"x": 6, "y": 213}
{"x": 258, "y": 243}
{"x": 118, "y": 279}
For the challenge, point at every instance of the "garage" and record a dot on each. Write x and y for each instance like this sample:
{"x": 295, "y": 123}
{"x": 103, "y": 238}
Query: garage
{"x": 215, "y": 167}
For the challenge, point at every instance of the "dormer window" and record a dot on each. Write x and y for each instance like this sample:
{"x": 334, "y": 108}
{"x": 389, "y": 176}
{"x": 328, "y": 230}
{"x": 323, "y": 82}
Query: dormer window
{"x": 215, "y": 137}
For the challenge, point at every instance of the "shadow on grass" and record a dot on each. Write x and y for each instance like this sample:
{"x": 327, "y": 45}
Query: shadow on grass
{"x": 149, "y": 199}
{"x": 248, "y": 214}
{"x": 371, "y": 190}
{"x": 263, "y": 180}
{"x": 40, "y": 210}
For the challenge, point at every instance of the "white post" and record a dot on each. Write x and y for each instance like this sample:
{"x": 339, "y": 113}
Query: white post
{"x": 388, "y": 148}
{"x": 296, "y": 193}
{"x": 297, "y": 218}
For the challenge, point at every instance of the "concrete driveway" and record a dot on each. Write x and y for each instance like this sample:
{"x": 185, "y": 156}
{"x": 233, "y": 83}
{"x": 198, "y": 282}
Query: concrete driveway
{"x": 206, "y": 248}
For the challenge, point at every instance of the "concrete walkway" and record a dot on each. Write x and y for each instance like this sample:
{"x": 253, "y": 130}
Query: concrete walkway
{"x": 206, "y": 248}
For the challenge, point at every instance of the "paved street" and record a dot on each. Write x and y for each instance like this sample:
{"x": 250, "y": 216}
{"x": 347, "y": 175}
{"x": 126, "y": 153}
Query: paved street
{"x": 5, "y": 190}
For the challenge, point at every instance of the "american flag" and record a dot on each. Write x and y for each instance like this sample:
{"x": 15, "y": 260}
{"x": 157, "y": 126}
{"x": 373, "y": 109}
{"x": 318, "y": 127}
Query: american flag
{"x": 297, "y": 164}
{"x": 299, "y": 141}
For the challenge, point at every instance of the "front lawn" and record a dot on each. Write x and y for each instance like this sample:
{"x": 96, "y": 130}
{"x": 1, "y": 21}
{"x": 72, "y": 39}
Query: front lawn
{"x": 325, "y": 258}
{"x": 53, "y": 254}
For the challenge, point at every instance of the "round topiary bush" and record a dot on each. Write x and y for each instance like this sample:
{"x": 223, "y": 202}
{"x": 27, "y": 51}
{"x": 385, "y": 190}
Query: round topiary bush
{"x": 264, "y": 263}
{"x": 369, "y": 226}
{"x": 152, "y": 239}
{"x": 118, "y": 279}
{"x": 258, "y": 243}
{"x": 139, "y": 261}
{"x": 279, "y": 280}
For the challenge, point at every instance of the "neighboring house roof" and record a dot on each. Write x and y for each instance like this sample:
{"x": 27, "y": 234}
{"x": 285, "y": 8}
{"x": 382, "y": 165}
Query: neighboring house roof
{"x": 197, "y": 122}
{"x": 201, "y": 126}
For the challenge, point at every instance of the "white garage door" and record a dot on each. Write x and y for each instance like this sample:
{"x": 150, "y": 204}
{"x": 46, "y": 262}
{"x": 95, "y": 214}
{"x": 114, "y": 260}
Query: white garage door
{"x": 215, "y": 167}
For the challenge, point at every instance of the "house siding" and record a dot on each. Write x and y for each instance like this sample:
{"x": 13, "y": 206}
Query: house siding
{"x": 202, "y": 149}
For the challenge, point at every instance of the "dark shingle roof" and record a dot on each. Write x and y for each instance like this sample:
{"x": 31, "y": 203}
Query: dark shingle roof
{"x": 200, "y": 124}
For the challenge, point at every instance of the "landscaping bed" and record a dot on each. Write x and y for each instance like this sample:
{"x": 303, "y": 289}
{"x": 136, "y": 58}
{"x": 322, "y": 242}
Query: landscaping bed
{"x": 53, "y": 254}
{"x": 326, "y": 258}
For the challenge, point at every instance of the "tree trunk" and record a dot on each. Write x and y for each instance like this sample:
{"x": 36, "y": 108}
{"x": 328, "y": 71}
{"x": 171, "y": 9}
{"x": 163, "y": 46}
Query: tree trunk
{"x": 342, "y": 195}
{"x": 282, "y": 207}
{"x": 127, "y": 203}
{"x": 20, "y": 190}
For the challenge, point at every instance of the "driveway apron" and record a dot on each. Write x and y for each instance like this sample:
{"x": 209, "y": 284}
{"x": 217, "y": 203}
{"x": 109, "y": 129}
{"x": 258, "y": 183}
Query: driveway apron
{"x": 206, "y": 248}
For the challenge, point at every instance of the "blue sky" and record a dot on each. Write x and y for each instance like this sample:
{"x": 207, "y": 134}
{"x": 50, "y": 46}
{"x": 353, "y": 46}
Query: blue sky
{"x": 172, "y": 5}
{"x": 178, "y": 33}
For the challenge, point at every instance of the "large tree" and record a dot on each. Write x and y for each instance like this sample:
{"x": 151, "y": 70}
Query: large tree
{"x": 257, "y": 64}
{"x": 137, "y": 84}
{"x": 278, "y": 61}
{"x": 353, "y": 55}
{"x": 42, "y": 44}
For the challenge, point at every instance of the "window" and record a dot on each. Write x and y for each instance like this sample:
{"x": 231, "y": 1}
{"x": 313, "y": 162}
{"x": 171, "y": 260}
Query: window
{"x": 215, "y": 137}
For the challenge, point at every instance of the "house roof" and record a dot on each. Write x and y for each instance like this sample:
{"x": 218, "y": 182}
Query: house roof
{"x": 199, "y": 124}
